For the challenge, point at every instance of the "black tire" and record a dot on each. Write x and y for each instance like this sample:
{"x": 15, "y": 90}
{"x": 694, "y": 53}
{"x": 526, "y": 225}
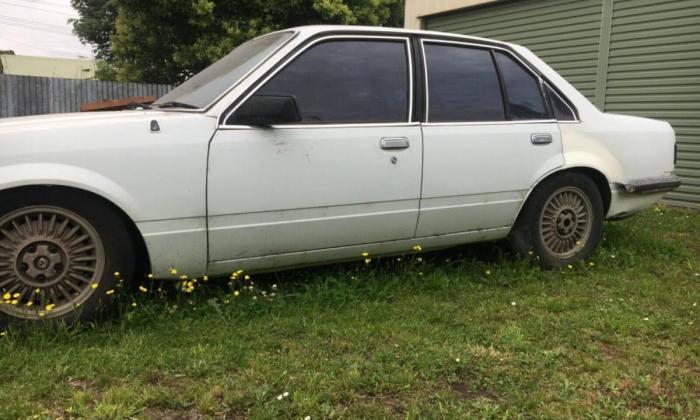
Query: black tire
{"x": 65, "y": 278}
{"x": 561, "y": 222}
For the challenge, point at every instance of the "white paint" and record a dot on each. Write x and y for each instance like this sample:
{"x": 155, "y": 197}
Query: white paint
{"x": 288, "y": 196}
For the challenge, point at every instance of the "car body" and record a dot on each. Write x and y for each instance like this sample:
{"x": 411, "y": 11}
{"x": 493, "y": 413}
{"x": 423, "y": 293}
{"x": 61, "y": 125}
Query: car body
{"x": 201, "y": 192}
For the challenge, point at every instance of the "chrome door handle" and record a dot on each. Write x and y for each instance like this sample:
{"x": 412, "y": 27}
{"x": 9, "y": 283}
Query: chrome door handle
{"x": 388, "y": 143}
{"x": 543, "y": 138}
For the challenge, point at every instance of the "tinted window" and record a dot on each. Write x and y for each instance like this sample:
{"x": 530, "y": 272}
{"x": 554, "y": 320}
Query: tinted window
{"x": 346, "y": 81}
{"x": 462, "y": 85}
{"x": 523, "y": 90}
{"x": 562, "y": 111}
{"x": 203, "y": 88}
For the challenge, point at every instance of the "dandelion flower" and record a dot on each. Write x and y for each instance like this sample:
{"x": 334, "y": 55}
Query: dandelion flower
{"x": 205, "y": 278}
{"x": 365, "y": 254}
{"x": 14, "y": 302}
{"x": 488, "y": 272}
{"x": 116, "y": 274}
{"x": 417, "y": 248}
{"x": 591, "y": 263}
{"x": 109, "y": 292}
{"x": 143, "y": 289}
{"x": 286, "y": 394}
{"x": 173, "y": 271}
{"x": 133, "y": 304}
{"x": 151, "y": 276}
{"x": 280, "y": 397}
{"x": 183, "y": 277}
{"x": 41, "y": 314}
{"x": 7, "y": 296}
{"x": 3, "y": 333}
{"x": 570, "y": 266}
{"x": 646, "y": 318}
{"x": 247, "y": 277}
{"x": 15, "y": 296}
{"x": 236, "y": 293}
{"x": 30, "y": 303}
{"x": 93, "y": 285}
{"x": 368, "y": 260}
{"x": 307, "y": 418}
{"x": 50, "y": 307}
{"x": 37, "y": 290}
{"x": 255, "y": 298}
{"x": 274, "y": 287}
{"x": 513, "y": 303}
{"x": 457, "y": 360}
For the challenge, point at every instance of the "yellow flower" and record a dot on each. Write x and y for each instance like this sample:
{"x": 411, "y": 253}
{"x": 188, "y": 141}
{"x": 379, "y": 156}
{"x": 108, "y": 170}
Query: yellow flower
{"x": 94, "y": 285}
{"x": 143, "y": 289}
{"x": 151, "y": 276}
{"x": 110, "y": 292}
{"x": 50, "y": 307}
{"x": 14, "y": 302}
{"x": 368, "y": 260}
{"x": 16, "y": 296}
{"x": 133, "y": 304}
{"x": 205, "y": 278}
{"x": 247, "y": 277}
{"x": 417, "y": 248}
{"x": 41, "y": 314}
{"x": 7, "y": 296}
{"x": 30, "y": 303}
{"x": 591, "y": 264}
{"x": 236, "y": 293}
{"x": 183, "y": 277}
{"x": 116, "y": 274}
{"x": 570, "y": 266}
{"x": 488, "y": 272}
{"x": 3, "y": 333}
{"x": 173, "y": 271}
{"x": 365, "y": 254}
{"x": 239, "y": 272}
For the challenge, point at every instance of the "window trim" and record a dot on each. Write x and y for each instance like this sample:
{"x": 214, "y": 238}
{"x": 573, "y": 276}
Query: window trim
{"x": 491, "y": 48}
{"x": 284, "y": 63}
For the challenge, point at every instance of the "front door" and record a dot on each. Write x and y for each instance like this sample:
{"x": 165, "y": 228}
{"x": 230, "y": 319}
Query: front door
{"x": 348, "y": 173}
{"x": 488, "y": 138}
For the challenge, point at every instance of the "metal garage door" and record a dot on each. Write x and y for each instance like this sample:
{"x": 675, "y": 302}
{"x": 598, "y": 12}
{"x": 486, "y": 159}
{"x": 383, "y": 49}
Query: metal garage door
{"x": 654, "y": 71}
{"x": 649, "y": 58}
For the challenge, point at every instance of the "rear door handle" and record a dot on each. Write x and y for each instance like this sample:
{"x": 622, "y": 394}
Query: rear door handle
{"x": 542, "y": 138}
{"x": 389, "y": 143}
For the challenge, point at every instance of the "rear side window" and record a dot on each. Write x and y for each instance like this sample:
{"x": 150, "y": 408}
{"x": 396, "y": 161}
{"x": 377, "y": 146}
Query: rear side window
{"x": 562, "y": 111}
{"x": 462, "y": 84}
{"x": 346, "y": 81}
{"x": 523, "y": 91}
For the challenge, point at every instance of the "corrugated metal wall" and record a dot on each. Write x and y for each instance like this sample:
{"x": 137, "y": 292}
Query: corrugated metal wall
{"x": 27, "y": 95}
{"x": 637, "y": 57}
{"x": 654, "y": 71}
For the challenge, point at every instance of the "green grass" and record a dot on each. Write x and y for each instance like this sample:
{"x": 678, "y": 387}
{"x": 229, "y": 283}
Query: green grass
{"x": 471, "y": 331}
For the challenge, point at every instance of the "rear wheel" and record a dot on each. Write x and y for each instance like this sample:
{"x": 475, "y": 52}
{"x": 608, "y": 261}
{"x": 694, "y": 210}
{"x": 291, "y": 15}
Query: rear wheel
{"x": 59, "y": 250}
{"x": 561, "y": 222}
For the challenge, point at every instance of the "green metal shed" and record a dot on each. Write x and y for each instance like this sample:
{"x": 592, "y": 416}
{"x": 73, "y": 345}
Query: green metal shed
{"x": 638, "y": 57}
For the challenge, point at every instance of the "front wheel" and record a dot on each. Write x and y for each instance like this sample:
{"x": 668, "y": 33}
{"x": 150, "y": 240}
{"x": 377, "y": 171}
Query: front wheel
{"x": 562, "y": 221}
{"x": 58, "y": 254}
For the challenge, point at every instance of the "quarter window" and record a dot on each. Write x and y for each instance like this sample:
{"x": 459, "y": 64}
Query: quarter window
{"x": 346, "y": 81}
{"x": 523, "y": 91}
{"x": 462, "y": 84}
{"x": 562, "y": 111}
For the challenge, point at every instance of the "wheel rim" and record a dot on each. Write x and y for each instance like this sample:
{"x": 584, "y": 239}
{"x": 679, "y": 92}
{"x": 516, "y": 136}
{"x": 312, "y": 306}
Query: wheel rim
{"x": 565, "y": 222}
{"x": 51, "y": 261}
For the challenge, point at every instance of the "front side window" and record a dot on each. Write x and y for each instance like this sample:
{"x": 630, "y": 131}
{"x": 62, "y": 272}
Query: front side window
{"x": 346, "y": 81}
{"x": 523, "y": 91}
{"x": 463, "y": 84}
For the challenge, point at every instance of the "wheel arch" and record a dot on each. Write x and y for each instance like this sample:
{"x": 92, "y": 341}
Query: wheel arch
{"x": 143, "y": 263}
{"x": 598, "y": 177}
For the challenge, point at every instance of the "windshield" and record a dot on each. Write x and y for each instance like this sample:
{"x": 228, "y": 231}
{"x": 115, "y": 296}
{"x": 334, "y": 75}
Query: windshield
{"x": 204, "y": 87}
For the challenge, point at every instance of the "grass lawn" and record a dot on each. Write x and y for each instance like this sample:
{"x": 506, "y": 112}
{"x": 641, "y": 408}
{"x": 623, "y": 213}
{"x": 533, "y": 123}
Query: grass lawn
{"x": 471, "y": 331}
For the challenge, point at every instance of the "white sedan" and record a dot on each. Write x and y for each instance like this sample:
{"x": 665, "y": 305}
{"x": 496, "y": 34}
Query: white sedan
{"x": 314, "y": 145}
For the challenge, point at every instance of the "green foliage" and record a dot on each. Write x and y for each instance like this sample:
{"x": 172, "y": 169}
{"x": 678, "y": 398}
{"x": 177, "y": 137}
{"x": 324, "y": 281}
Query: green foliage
{"x": 166, "y": 41}
{"x": 470, "y": 332}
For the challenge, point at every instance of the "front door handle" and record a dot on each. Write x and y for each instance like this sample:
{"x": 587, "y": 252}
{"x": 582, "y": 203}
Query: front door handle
{"x": 389, "y": 143}
{"x": 542, "y": 138}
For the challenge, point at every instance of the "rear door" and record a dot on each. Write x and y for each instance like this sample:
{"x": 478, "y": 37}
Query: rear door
{"x": 347, "y": 174}
{"x": 488, "y": 137}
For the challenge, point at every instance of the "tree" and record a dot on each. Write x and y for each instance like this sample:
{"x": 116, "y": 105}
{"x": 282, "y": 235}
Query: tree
{"x": 167, "y": 41}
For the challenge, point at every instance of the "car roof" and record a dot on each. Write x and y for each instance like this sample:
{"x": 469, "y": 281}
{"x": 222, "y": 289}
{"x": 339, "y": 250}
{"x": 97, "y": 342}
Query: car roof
{"x": 311, "y": 30}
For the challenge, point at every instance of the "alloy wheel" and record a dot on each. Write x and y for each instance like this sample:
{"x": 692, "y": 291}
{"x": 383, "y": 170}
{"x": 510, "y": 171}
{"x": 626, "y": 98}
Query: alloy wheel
{"x": 51, "y": 261}
{"x": 566, "y": 222}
